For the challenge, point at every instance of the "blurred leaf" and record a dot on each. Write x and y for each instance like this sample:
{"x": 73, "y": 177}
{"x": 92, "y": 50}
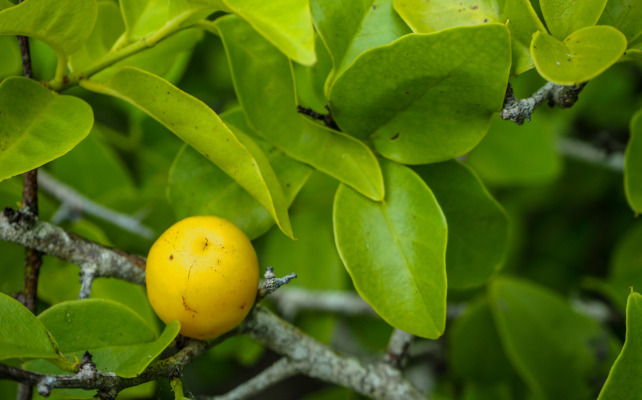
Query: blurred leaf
{"x": 350, "y": 28}
{"x": 565, "y": 17}
{"x": 582, "y": 56}
{"x": 64, "y": 25}
{"x": 487, "y": 391}
{"x": 108, "y": 27}
{"x": 625, "y": 15}
{"x": 552, "y": 347}
{"x": 144, "y": 355}
{"x": 518, "y": 15}
{"x": 11, "y": 61}
{"x": 395, "y": 251}
{"x": 198, "y": 187}
{"x": 22, "y": 335}
{"x": 37, "y": 125}
{"x": 624, "y": 381}
{"x": 633, "y": 165}
{"x": 428, "y": 114}
{"x": 287, "y": 24}
{"x": 512, "y": 154}
{"x": 477, "y": 224}
{"x": 261, "y": 72}
{"x": 200, "y": 127}
{"x": 476, "y": 351}
{"x": 310, "y": 80}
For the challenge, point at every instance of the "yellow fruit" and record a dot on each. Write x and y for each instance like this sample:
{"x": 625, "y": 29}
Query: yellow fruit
{"x": 202, "y": 271}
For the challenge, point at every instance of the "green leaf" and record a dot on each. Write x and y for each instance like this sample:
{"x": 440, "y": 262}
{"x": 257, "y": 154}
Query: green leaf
{"x": 108, "y": 27}
{"x": 476, "y": 351}
{"x": 196, "y": 124}
{"x": 348, "y": 28}
{"x": 512, "y": 154}
{"x": 64, "y": 25}
{"x": 435, "y": 103}
{"x": 37, "y": 125}
{"x": 198, "y": 187}
{"x": 144, "y": 355}
{"x": 395, "y": 251}
{"x": 521, "y": 19}
{"x": 625, "y": 15}
{"x": 261, "y": 72}
{"x": 11, "y": 62}
{"x": 22, "y": 335}
{"x": 89, "y": 324}
{"x": 564, "y": 17}
{"x": 633, "y": 165}
{"x": 624, "y": 381}
{"x": 582, "y": 56}
{"x": 287, "y": 24}
{"x": 552, "y": 347}
{"x": 477, "y": 224}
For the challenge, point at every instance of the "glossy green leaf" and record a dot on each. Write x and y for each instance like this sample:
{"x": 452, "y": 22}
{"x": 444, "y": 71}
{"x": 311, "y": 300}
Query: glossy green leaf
{"x": 582, "y": 56}
{"x": 196, "y": 124}
{"x": 348, "y": 28}
{"x": 521, "y": 19}
{"x": 287, "y": 24}
{"x": 435, "y": 103}
{"x": 625, "y": 15}
{"x": 476, "y": 351}
{"x": 552, "y": 347}
{"x": 64, "y": 25}
{"x": 395, "y": 251}
{"x": 11, "y": 61}
{"x": 108, "y": 27}
{"x": 633, "y": 165}
{"x": 198, "y": 187}
{"x": 564, "y": 17}
{"x": 261, "y": 72}
{"x": 144, "y": 355}
{"x": 624, "y": 381}
{"x": 80, "y": 325}
{"x": 37, "y": 125}
{"x": 512, "y": 154}
{"x": 21, "y": 334}
{"x": 477, "y": 224}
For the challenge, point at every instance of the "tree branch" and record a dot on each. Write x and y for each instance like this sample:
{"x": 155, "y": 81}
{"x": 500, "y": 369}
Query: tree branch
{"x": 377, "y": 380}
{"x": 557, "y": 95}
{"x": 27, "y": 230}
{"x": 292, "y": 300}
{"x": 397, "y": 352}
{"x": 73, "y": 201}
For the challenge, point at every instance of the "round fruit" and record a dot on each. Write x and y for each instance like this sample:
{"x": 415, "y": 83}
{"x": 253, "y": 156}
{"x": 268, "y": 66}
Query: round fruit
{"x": 202, "y": 271}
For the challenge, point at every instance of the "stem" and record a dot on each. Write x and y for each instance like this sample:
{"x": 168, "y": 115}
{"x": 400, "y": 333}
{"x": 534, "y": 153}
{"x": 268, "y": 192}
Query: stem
{"x": 171, "y": 27}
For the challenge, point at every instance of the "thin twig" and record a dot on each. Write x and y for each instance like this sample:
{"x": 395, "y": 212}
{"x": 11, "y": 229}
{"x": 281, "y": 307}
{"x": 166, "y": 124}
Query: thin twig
{"x": 272, "y": 283}
{"x": 292, "y": 300}
{"x": 277, "y": 372}
{"x": 33, "y": 258}
{"x": 397, "y": 352}
{"x": 579, "y": 150}
{"x": 326, "y": 118}
{"x": 72, "y": 200}
{"x": 557, "y": 95}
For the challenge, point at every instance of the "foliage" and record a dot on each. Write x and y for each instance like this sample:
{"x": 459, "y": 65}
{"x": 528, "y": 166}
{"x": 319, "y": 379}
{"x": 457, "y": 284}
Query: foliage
{"x": 166, "y": 109}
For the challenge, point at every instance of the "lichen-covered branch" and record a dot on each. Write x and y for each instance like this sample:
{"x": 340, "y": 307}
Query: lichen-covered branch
{"x": 519, "y": 111}
{"x": 397, "y": 352}
{"x": 27, "y": 230}
{"x": 378, "y": 380}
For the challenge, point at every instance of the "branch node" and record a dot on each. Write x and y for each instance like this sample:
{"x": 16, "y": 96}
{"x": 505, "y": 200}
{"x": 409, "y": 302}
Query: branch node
{"x": 272, "y": 283}
{"x": 45, "y": 385}
{"x": 87, "y": 274}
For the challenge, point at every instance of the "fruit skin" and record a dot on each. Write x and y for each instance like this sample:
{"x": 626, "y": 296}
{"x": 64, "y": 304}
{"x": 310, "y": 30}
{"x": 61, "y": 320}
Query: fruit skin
{"x": 202, "y": 271}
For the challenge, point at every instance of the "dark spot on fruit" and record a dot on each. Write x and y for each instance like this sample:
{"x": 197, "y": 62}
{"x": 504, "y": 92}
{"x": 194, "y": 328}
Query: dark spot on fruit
{"x": 206, "y": 243}
{"x": 186, "y": 306}
{"x": 171, "y": 257}
{"x": 243, "y": 306}
{"x": 395, "y": 136}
